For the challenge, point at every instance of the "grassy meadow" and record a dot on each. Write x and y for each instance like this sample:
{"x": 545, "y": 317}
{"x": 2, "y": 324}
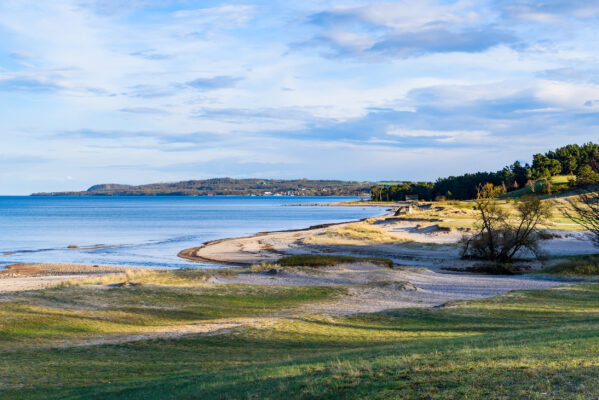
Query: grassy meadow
{"x": 529, "y": 344}
{"x": 455, "y": 214}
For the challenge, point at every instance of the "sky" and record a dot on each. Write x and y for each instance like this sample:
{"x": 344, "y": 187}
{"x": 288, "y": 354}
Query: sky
{"x": 141, "y": 91}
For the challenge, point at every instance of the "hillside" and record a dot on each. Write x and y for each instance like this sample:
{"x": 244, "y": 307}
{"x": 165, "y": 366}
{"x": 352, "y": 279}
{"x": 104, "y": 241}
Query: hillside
{"x": 569, "y": 167}
{"x": 559, "y": 184}
{"x": 230, "y": 187}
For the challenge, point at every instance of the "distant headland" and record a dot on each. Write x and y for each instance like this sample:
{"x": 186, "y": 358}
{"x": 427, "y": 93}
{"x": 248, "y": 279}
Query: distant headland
{"x": 231, "y": 187}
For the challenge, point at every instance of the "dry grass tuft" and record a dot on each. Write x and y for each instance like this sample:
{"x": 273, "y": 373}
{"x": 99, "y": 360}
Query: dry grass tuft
{"x": 329, "y": 260}
{"x": 176, "y": 277}
{"x": 46, "y": 269}
{"x": 356, "y": 233}
{"x": 265, "y": 266}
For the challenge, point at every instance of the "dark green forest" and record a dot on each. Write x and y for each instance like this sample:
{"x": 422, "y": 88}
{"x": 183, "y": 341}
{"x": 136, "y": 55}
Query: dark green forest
{"x": 580, "y": 162}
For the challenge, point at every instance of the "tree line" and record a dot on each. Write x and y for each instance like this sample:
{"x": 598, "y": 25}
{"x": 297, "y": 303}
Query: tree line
{"x": 581, "y": 162}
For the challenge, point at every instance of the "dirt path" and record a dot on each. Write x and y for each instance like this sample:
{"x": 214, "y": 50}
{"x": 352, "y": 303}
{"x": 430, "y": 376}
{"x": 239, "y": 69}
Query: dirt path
{"x": 206, "y": 328}
{"x": 371, "y": 288}
{"x": 364, "y": 288}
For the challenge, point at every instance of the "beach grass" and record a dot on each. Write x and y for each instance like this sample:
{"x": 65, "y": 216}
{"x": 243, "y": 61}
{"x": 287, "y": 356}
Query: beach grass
{"x": 587, "y": 265}
{"x": 327, "y": 260}
{"x": 174, "y": 277}
{"x": 528, "y": 344}
{"x": 360, "y": 233}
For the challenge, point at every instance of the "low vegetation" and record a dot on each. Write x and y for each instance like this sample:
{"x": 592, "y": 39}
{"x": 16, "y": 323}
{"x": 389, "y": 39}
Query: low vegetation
{"x": 576, "y": 266}
{"x": 315, "y": 260}
{"x": 528, "y": 344}
{"x": 360, "y": 233}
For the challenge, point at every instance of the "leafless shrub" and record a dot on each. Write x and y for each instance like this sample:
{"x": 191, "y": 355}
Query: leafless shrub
{"x": 501, "y": 238}
{"x": 584, "y": 210}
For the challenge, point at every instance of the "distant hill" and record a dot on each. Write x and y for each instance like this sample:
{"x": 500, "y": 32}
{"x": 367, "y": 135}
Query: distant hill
{"x": 231, "y": 187}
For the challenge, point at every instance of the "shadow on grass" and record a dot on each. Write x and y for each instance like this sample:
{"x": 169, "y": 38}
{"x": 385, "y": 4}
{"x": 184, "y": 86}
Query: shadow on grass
{"x": 491, "y": 367}
{"x": 548, "y": 349}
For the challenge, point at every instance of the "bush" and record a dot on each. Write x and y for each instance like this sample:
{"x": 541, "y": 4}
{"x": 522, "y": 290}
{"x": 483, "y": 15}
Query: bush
{"x": 547, "y": 187}
{"x": 500, "y": 239}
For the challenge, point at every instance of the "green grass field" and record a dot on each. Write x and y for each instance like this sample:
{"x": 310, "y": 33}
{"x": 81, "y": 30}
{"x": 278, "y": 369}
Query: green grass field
{"x": 559, "y": 184}
{"x": 531, "y": 344}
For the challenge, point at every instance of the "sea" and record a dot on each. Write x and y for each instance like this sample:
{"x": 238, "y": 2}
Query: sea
{"x": 148, "y": 231}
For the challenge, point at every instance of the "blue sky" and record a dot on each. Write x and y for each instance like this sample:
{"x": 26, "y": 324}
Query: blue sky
{"x": 140, "y": 91}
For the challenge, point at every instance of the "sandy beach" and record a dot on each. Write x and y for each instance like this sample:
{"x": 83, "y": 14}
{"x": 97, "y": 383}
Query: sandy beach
{"x": 427, "y": 254}
{"x": 419, "y": 242}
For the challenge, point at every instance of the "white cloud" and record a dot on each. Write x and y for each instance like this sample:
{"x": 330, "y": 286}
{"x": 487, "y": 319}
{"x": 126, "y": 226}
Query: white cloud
{"x": 441, "y": 136}
{"x": 116, "y": 66}
{"x": 407, "y": 15}
{"x": 236, "y": 14}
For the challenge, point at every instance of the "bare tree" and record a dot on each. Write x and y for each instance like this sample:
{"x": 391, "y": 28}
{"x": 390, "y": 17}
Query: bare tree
{"x": 500, "y": 238}
{"x": 584, "y": 210}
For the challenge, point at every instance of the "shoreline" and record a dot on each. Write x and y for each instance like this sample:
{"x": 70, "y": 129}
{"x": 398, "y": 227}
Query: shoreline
{"x": 418, "y": 242}
{"x": 354, "y": 203}
{"x": 245, "y": 251}
{"x": 189, "y": 254}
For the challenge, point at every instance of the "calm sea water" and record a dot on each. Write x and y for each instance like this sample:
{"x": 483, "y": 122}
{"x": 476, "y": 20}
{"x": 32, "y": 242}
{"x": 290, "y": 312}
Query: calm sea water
{"x": 146, "y": 231}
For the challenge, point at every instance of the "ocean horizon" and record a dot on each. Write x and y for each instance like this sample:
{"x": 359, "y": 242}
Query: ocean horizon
{"x": 147, "y": 231}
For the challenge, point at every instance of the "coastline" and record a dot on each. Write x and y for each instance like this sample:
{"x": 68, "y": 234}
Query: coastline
{"x": 432, "y": 243}
{"x": 353, "y": 203}
{"x": 191, "y": 254}
{"x": 428, "y": 248}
